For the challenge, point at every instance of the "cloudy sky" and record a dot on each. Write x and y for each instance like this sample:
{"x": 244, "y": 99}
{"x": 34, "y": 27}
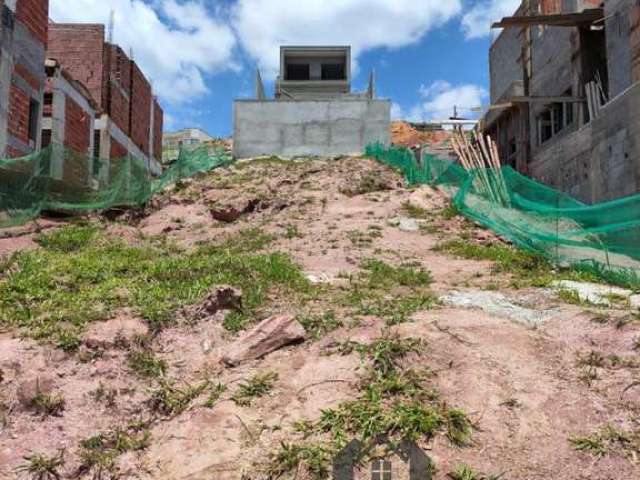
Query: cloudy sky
{"x": 428, "y": 55}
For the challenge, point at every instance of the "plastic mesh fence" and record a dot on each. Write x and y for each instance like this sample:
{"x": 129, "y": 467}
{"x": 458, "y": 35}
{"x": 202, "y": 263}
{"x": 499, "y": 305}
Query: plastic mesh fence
{"x": 62, "y": 180}
{"x": 602, "y": 238}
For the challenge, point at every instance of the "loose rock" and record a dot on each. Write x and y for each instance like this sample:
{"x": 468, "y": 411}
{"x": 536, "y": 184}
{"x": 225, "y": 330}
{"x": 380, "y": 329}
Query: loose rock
{"x": 270, "y": 335}
{"x": 222, "y": 298}
{"x": 593, "y": 293}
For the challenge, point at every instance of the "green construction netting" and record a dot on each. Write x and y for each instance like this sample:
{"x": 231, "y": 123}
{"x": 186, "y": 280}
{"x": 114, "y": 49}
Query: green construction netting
{"x": 59, "y": 179}
{"x": 602, "y": 238}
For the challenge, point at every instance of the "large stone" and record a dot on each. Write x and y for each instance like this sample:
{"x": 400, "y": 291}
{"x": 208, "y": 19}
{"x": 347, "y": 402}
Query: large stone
{"x": 634, "y": 302}
{"x": 269, "y": 336}
{"x": 229, "y": 213}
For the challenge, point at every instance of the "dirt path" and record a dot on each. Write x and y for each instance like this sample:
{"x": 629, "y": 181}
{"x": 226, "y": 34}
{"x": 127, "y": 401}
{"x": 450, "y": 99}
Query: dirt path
{"x": 527, "y": 392}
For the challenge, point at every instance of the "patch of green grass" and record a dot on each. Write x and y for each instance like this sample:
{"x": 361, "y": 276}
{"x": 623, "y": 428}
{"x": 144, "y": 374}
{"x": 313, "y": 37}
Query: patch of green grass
{"x": 47, "y": 404}
{"x": 256, "y": 387}
{"x": 464, "y": 472}
{"x": 319, "y": 325}
{"x": 414, "y": 211}
{"x": 42, "y": 467}
{"x": 381, "y": 274}
{"x": 171, "y": 399}
{"x": 98, "y": 454}
{"x": 571, "y": 297}
{"x": 450, "y": 211}
{"x": 53, "y": 293}
{"x": 608, "y": 440}
{"x": 215, "y": 392}
{"x": 398, "y": 310}
{"x": 67, "y": 239}
{"x": 314, "y": 458}
{"x": 146, "y": 364}
{"x": 291, "y": 232}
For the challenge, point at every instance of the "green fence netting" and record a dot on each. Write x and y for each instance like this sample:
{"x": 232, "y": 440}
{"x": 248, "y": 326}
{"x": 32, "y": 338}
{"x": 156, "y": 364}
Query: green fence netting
{"x": 62, "y": 180}
{"x": 602, "y": 238}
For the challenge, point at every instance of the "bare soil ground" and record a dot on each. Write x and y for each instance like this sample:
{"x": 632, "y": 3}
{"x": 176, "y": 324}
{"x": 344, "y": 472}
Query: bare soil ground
{"x": 560, "y": 401}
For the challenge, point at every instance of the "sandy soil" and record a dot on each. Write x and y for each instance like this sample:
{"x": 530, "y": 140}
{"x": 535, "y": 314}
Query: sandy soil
{"x": 523, "y": 388}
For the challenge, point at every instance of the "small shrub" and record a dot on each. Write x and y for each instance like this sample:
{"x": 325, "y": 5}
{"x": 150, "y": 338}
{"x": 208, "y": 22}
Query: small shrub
{"x": 319, "y": 325}
{"x": 42, "y": 467}
{"x": 48, "y": 405}
{"x": 257, "y": 386}
{"x": 169, "y": 399}
{"x": 146, "y": 364}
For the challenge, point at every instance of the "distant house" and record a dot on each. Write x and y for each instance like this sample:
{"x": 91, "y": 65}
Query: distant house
{"x": 404, "y": 461}
{"x": 188, "y": 138}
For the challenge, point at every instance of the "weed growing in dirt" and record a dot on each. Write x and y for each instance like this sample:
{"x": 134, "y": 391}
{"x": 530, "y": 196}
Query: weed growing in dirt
{"x": 608, "y": 440}
{"x": 146, "y": 364}
{"x": 54, "y": 292}
{"x": 42, "y": 467}
{"x": 105, "y": 395}
{"x": 398, "y": 310}
{"x": 48, "y": 404}
{"x": 99, "y": 453}
{"x": 450, "y": 211}
{"x": 318, "y": 326}
{"x": 170, "y": 399}
{"x": 257, "y": 386}
{"x": 290, "y": 457}
{"x": 414, "y": 211}
{"x": 380, "y": 274}
{"x": 465, "y": 472}
{"x": 215, "y": 392}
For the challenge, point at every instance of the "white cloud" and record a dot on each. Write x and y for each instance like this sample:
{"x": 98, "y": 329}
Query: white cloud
{"x": 263, "y": 25}
{"x": 476, "y": 23}
{"x": 438, "y": 100}
{"x": 175, "y": 43}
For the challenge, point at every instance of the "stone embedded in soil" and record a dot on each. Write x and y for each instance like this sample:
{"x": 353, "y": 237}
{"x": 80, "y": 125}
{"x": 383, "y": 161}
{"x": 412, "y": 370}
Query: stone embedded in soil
{"x": 221, "y": 298}
{"x": 268, "y": 336}
{"x": 593, "y": 293}
{"x": 230, "y": 213}
{"x": 498, "y": 305}
{"x": 32, "y": 386}
{"x": 634, "y": 302}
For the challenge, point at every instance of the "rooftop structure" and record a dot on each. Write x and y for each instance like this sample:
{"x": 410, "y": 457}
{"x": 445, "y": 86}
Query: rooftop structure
{"x": 314, "y": 111}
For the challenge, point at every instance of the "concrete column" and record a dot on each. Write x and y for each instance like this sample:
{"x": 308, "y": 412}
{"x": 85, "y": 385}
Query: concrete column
{"x": 58, "y": 113}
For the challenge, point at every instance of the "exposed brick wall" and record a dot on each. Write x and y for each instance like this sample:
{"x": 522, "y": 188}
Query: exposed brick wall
{"x": 34, "y": 14}
{"x": 158, "y": 118}
{"x": 140, "y": 109}
{"x": 117, "y": 150}
{"x": 119, "y": 109}
{"x": 118, "y": 83}
{"x": 77, "y": 129}
{"x": 27, "y": 76}
{"x": 18, "y": 118}
{"x": 79, "y": 48}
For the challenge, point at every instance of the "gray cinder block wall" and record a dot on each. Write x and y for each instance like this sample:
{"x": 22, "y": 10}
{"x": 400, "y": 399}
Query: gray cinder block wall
{"x": 315, "y": 127}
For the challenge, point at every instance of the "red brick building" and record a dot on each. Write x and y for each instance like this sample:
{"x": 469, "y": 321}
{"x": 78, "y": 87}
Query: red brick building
{"x": 128, "y": 117}
{"x": 23, "y": 43}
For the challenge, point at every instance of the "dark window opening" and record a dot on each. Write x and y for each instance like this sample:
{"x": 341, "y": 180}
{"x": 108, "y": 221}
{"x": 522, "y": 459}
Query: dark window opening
{"x": 298, "y": 72}
{"x": 558, "y": 117}
{"x": 46, "y": 138}
{"x": 381, "y": 470}
{"x": 96, "y": 153}
{"x": 334, "y": 71}
{"x": 34, "y": 112}
{"x": 48, "y": 99}
{"x": 545, "y": 131}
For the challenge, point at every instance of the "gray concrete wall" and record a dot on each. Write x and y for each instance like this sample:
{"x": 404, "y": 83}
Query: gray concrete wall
{"x": 301, "y": 128}
{"x": 600, "y": 161}
{"x": 504, "y": 62}
{"x": 618, "y": 45}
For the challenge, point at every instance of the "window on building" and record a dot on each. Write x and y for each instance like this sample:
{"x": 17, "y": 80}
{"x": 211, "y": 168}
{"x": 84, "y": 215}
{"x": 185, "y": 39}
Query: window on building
{"x": 96, "y": 153}
{"x": 34, "y": 113}
{"x": 46, "y": 138}
{"x": 334, "y": 71}
{"x": 381, "y": 470}
{"x": 557, "y": 110}
{"x": 299, "y": 72}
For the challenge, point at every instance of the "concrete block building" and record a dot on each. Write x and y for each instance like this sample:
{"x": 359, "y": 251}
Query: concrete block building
{"x": 188, "y": 138}
{"x": 23, "y": 43}
{"x": 314, "y": 111}
{"x": 565, "y": 95}
{"x": 129, "y": 119}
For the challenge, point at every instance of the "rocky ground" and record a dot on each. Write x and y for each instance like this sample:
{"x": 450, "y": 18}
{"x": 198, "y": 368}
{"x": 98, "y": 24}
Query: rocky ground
{"x": 250, "y": 322}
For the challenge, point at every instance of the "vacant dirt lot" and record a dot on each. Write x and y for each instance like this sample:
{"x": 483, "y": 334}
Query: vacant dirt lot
{"x": 112, "y": 338}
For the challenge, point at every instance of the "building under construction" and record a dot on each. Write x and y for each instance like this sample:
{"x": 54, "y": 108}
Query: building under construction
{"x": 565, "y": 95}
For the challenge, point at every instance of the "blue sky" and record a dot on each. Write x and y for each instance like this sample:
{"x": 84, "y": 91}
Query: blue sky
{"x": 201, "y": 54}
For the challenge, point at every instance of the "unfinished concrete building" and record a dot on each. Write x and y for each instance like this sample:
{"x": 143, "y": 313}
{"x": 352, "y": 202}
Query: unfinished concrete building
{"x": 314, "y": 111}
{"x": 189, "y": 138}
{"x": 23, "y": 40}
{"x": 565, "y": 95}
{"x": 129, "y": 118}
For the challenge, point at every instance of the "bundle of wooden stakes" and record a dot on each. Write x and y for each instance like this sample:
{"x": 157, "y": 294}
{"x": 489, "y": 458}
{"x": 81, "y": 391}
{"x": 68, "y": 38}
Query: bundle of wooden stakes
{"x": 480, "y": 158}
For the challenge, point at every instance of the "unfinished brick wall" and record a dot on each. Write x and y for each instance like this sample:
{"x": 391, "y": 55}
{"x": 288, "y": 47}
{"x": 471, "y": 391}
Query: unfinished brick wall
{"x": 34, "y": 14}
{"x": 140, "y": 109}
{"x": 118, "y": 81}
{"x": 77, "y": 129}
{"x": 79, "y": 48}
{"x": 158, "y": 119}
{"x": 18, "y": 118}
